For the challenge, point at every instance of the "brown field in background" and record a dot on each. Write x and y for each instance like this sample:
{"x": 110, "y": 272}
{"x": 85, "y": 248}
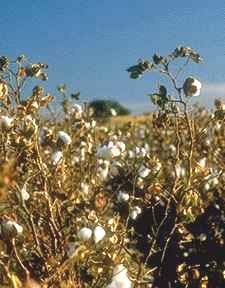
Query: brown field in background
{"x": 138, "y": 119}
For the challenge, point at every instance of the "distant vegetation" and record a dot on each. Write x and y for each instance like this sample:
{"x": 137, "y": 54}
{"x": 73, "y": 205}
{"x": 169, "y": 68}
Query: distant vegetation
{"x": 108, "y": 108}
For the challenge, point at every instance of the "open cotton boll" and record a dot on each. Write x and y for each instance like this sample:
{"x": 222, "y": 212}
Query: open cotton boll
{"x": 10, "y": 229}
{"x": 120, "y": 278}
{"x": 85, "y": 188}
{"x": 144, "y": 171}
{"x": 114, "y": 168}
{"x": 18, "y": 227}
{"x": 121, "y": 145}
{"x": 77, "y": 110}
{"x": 122, "y": 196}
{"x": 24, "y": 194}
{"x": 192, "y": 87}
{"x": 113, "y": 112}
{"x": 135, "y": 212}
{"x": 103, "y": 169}
{"x": 104, "y": 152}
{"x": 99, "y": 234}
{"x": 5, "y": 121}
{"x": 56, "y": 157}
{"x": 108, "y": 151}
{"x": 85, "y": 234}
{"x": 64, "y": 137}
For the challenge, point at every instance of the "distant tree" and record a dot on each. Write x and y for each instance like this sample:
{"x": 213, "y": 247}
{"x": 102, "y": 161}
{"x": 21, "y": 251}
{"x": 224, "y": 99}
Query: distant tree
{"x": 107, "y": 108}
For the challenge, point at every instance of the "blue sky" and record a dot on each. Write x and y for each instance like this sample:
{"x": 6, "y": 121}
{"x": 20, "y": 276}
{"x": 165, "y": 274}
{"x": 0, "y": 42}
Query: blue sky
{"x": 88, "y": 44}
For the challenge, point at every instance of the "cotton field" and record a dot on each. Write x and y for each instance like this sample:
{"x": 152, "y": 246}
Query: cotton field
{"x": 100, "y": 203}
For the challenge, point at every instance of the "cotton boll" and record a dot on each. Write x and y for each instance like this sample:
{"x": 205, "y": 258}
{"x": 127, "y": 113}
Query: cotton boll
{"x": 10, "y": 229}
{"x": 172, "y": 149}
{"x": 131, "y": 154}
{"x": 157, "y": 167}
{"x": 142, "y": 152}
{"x": 141, "y": 133}
{"x": 114, "y": 168}
{"x": 214, "y": 182}
{"x": 57, "y": 157}
{"x": 140, "y": 183}
{"x": 113, "y": 112}
{"x": 121, "y": 145}
{"x": 87, "y": 125}
{"x": 122, "y": 196}
{"x": 135, "y": 212}
{"x": 144, "y": 171}
{"x": 202, "y": 162}
{"x": 192, "y": 87}
{"x": 77, "y": 111}
{"x": 24, "y": 194}
{"x": 99, "y": 234}
{"x": 180, "y": 171}
{"x": 85, "y": 189}
{"x": 5, "y": 122}
{"x": 206, "y": 187}
{"x": 108, "y": 151}
{"x": 114, "y": 171}
{"x": 93, "y": 123}
{"x": 120, "y": 278}
{"x": 18, "y": 227}
{"x": 103, "y": 169}
{"x": 104, "y": 152}
{"x": 64, "y": 138}
{"x": 85, "y": 234}
{"x": 115, "y": 151}
{"x": 75, "y": 160}
{"x": 45, "y": 135}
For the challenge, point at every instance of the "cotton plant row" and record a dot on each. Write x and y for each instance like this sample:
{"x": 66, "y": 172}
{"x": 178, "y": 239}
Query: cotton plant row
{"x": 73, "y": 191}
